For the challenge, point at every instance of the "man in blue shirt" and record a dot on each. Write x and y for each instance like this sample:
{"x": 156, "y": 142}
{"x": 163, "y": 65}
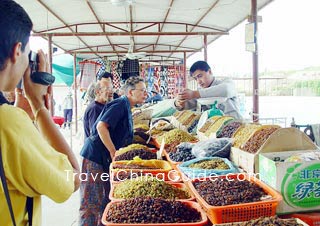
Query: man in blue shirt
{"x": 112, "y": 130}
{"x": 103, "y": 90}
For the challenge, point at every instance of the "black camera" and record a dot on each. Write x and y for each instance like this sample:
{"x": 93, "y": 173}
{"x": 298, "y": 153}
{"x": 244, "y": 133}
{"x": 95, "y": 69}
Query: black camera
{"x": 43, "y": 78}
{"x": 33, "y": 61}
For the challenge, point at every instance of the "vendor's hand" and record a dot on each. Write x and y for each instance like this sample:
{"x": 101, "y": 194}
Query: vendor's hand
{"x": 179, "y": 103}
{"x": 37, "y": 93}
{"x": 188, "y": 94}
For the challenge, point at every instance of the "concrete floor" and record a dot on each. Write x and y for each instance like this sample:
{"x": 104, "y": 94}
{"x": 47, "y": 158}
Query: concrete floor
{"x": 64, "y": 214}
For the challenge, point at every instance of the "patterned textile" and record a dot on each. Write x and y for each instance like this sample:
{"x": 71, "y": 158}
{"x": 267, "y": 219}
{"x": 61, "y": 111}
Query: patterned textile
{"x": 115, "y": 75}
{"x": 103, "y": 68}
{"x": 89, "y": 70}
{"x": 94, "y": 194}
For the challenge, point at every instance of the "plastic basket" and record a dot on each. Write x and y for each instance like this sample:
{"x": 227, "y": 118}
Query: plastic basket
{"x": 239, "y": 212}
{"x": 198, "y": 173}
{"x": 194, "y": 205}
{"x": 181, "y": 186}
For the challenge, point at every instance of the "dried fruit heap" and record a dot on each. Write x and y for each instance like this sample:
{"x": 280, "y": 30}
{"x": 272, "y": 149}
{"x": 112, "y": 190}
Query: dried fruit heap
{"x": 267, "y": 221}
{"x": 151, "y": 210}
{"x": 148, "y": 186}
{"x": 143, "y": 154}
{"x": 224, "y": 192}
{"x": 217, "y": 164}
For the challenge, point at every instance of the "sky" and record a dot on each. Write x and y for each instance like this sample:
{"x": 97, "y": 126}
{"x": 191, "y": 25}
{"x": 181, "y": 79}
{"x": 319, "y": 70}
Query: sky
{"x": 288, "y": 39}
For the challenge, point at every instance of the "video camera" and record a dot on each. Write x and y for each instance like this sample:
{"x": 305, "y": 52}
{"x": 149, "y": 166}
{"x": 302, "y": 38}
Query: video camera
{"x": 33, "y": 61}
{"x": 43, "y": 78}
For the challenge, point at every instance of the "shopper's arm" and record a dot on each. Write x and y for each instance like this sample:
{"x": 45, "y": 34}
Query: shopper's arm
{"x": 104, "y": 135}
{"x": 36, "y": 95}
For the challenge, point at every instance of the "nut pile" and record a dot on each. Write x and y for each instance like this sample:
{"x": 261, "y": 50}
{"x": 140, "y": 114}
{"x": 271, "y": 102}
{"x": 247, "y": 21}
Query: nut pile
{"x": 151, "y": 210}
{"x": 131, "y": 147}
{"x": 141, "y": 127}
{"x": 123, "y": 175}
{"x": 148, "y": 186}
{"x": 218, "y": 124}
{"x": 172, "y": 146}
{"x": 143, "y": 154}
{"x": 229, "y": 129}
{"x": 244, "y": 133}
{"x": 182, "y": 153}
{"x": 176, "y": 135}
{"x": 184, "y": 115}
{"x": 217, "y": 164}
{"x": 224, "y": 192}
{"x": 206, "y": 125}
{"x": 257, "y": 140}
{"x": 274, "y": 220}
{"x": 190, "y": 119}
{"x": 131, "y": 166}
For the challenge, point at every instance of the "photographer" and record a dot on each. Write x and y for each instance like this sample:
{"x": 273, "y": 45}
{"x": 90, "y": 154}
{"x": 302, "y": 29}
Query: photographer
{"x": 33, "y": 162}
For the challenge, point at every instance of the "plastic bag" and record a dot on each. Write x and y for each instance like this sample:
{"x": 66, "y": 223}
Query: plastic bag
{"x": 304, "y": 157}
{"x": 163, "y": 108}
{"x": 216, "y": 147}
{"x": 214, "y": 111}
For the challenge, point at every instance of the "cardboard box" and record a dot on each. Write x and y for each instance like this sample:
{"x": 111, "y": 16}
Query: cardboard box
{"x": 239, "y": 223}
{"x": 312, "y": 219}
{"x": 284, "y": 139}
{"x": 298, "y": 182}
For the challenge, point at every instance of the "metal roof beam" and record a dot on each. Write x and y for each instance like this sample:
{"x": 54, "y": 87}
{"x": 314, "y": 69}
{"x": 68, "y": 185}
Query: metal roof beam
{"x": 59, "y": 18}
{"x": 150, "y": 24}
{"x": 165, "y": 19}
{"x": 145, "y": 45}
{"x": 123, "y": 52}
{"x": 200, "y": 19}
{"x": 128, "y": 33}
{"x": 97, "y": 18}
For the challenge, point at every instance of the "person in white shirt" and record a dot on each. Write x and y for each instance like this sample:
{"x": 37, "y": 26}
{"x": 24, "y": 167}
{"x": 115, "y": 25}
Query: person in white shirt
{"x": 209, "y": 87}
{"x": 67, "y": 110}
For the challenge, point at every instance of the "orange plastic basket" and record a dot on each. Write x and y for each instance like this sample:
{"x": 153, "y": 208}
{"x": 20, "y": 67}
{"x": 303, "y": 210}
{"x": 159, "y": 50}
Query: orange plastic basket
{"x": 239, "y": 212}
{"x": 177, "y": 185}
{"x": 192, "y": 204}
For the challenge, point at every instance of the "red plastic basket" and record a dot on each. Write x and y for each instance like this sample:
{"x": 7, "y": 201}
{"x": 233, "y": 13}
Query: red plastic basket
{"x": 239, "y": 212}
{"x": 192, "y": 204}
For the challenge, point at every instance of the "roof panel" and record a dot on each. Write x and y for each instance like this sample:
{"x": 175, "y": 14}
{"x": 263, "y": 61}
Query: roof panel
{"x": 99, "y": 27}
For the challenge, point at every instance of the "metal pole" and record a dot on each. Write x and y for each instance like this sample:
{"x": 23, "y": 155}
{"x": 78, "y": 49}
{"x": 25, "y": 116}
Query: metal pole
{"x": 185, "y": 70}
{"x": 51, "y": 104}
{"x": 205, "y": 48}
{"x": 75, "y": 89}
{"x": 255, "y": 70}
